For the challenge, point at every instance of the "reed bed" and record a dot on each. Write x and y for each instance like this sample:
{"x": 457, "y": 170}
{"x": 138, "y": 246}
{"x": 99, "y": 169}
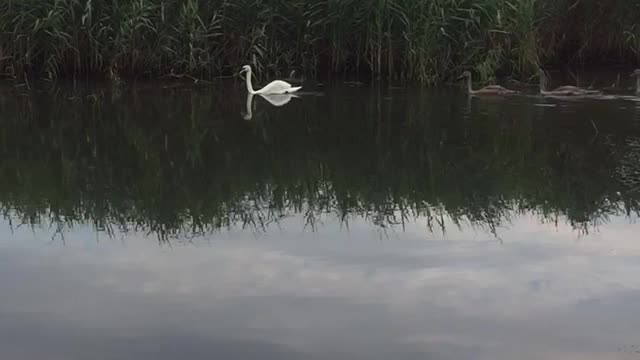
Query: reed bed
{"x": 425, "y": 40}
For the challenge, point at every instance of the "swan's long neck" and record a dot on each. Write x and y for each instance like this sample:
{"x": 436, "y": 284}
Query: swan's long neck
{"x": 249, "y": 105}
{"x": 543, "y": 82}
{"x": 249, "y": 83}
{"x": 469, "y": 85}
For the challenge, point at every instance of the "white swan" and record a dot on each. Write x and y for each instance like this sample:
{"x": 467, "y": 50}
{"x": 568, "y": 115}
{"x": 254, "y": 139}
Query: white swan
{"x": 562, "y": 90}
{"x": 277, "y": 87}
{"x": 487, "y": 90}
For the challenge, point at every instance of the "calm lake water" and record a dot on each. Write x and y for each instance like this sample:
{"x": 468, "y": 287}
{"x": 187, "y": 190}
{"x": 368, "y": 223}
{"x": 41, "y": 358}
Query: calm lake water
{"x": 165, "y": 221}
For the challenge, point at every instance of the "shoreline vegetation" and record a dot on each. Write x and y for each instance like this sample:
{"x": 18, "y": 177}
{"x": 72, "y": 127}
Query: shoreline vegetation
{"x": 426, "y": 41}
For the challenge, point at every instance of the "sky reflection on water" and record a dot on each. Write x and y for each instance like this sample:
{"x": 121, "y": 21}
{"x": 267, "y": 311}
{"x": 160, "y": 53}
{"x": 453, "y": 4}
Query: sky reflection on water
{"x": 543, "y": 292}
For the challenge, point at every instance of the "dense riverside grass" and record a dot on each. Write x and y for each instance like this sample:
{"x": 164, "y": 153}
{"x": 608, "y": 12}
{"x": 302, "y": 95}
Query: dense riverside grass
{"x": 426, "y": 40}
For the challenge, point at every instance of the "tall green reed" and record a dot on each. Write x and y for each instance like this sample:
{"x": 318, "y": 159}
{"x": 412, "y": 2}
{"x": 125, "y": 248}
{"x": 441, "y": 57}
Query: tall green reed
{"x": 408, "y": 39}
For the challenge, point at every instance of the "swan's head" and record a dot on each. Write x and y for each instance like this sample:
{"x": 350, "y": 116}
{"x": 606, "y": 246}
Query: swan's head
{"x": 465, "y": 75}
{"x": 636, "y": 73}
{"x": 245, "y": 69}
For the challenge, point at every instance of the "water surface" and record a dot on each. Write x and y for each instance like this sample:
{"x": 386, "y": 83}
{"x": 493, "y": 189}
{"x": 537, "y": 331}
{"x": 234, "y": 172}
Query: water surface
{"x": 167, "y": 221}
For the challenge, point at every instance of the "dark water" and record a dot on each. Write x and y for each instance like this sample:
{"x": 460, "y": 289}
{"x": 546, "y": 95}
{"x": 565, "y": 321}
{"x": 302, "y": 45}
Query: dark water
{"x": 169, "y": 222}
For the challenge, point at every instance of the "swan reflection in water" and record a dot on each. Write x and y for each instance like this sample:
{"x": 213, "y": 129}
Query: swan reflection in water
{"x": 273, "y": 99}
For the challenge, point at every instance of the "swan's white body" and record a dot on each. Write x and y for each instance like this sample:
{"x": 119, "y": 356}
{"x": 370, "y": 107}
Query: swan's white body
{"x": 487, "y": 90}
{"x": 277, "y": 87}
{"x": 563, "y": 91}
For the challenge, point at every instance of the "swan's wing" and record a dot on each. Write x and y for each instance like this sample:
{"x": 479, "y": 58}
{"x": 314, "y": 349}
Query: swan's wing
{"x": 574, "y": 91}
{"x": 565, "y": 88}
{"x": 494, "y": 87}
{"x": 494, "y": 90}
{"x": 277, "y": 87}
